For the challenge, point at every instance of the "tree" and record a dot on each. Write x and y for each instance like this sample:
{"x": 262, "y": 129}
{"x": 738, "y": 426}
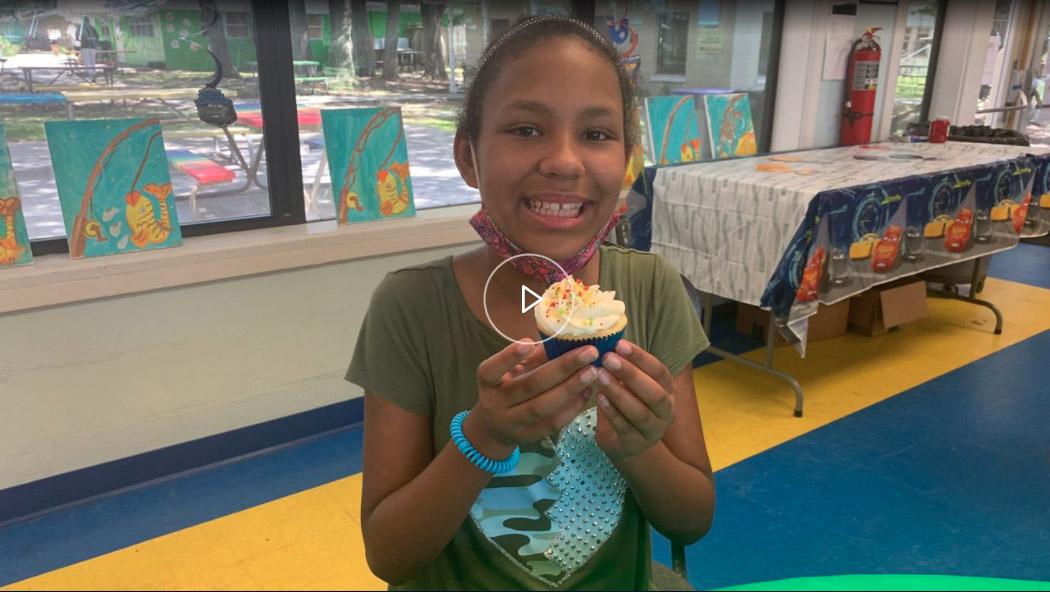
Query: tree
{"x": 433, "y": 57}
{"x": 211, "y": 21}
{"x": 300, "y": 35}
{"x": 364, "y": 42}
{"x": 393, "y": 18}
{"x": 340, "y": 53}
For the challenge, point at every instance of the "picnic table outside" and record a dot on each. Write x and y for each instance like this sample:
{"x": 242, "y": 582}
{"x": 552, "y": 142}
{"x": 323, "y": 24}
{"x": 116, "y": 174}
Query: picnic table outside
{"x": 70, "y": 68}
{"x": 164, "y": 96}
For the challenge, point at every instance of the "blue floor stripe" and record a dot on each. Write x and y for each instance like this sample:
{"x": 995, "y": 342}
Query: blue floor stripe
{"x": 75, "y": 534}
{"x": 1027, "y": 264}
{"x": 950, "y": 477}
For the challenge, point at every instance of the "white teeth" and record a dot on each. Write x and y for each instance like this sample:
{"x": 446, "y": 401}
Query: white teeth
{"x": 562, "y": 210}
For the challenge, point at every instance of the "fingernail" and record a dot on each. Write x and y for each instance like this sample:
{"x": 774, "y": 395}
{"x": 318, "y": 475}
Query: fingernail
{"x": 604, "y": 378}
{"x": 589, "y": 356}
{"x": 589, "y": 375}
{"x": 603, "y": 401}
{"x": 623, "y": 348}
{"x": 611, "y": 361}
{"x": 524, "y": 348}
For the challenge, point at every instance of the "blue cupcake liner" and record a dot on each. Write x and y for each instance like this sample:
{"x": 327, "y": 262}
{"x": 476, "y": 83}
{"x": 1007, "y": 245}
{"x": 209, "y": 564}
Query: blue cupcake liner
{"x": 556, "y": 347}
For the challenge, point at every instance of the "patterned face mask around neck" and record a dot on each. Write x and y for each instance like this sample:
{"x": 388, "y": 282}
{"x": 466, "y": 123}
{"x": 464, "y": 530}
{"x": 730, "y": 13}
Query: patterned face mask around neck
{"x": 536, "y": 268}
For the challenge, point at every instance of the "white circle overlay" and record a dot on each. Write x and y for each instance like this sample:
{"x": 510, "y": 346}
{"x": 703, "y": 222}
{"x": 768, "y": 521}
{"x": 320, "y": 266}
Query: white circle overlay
{"x": 485, "y": 299}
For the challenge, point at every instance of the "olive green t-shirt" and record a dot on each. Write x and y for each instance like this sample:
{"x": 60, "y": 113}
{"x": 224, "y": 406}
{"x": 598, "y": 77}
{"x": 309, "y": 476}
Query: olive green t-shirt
{"x": 564, "y": 519}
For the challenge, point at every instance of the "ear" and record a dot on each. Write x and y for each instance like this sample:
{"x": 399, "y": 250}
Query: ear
{"x": 462, "y": 152}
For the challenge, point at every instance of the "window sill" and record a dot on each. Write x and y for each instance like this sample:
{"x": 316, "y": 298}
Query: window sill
{"x": 667, "y": 78}
{"x": 57, "y": 279}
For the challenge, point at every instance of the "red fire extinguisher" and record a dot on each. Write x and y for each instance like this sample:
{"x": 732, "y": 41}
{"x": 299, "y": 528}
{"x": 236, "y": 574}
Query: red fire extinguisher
{"x": 862, "y": 76}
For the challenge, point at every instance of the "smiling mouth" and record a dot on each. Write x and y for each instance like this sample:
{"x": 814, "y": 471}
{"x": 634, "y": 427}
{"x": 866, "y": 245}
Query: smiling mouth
{"x": 556, "y": 209}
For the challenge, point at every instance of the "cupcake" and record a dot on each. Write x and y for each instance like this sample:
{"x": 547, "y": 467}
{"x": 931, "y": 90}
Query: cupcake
{"x": 593, "y": 317}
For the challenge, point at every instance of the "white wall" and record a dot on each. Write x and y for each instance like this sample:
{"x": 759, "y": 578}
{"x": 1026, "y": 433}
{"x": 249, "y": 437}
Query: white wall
{"x": 960, "y": 65}
{"x": 92, "y": 382}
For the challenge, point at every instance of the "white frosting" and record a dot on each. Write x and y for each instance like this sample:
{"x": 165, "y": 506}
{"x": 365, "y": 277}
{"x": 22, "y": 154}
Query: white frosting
{"x": 592, "y": 312}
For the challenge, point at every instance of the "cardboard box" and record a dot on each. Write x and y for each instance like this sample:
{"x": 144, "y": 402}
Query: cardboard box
{"x": 830, "y": 321}
{"x": 884, "y": 307}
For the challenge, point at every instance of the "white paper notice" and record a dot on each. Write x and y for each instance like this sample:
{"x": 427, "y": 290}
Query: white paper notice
{"x": 837, "y": 43}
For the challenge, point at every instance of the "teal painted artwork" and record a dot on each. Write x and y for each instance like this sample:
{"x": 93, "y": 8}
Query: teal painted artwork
{"x": 673, "y": 130}
{"x": 14, "y": 240}
{"x": 368, "y": 162}
{"x": 732, "y": 132}
{"x": 113, "y": 184}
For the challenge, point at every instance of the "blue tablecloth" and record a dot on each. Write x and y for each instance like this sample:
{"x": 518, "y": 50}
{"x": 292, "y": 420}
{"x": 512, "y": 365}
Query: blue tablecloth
{"x": 755, "y": 195}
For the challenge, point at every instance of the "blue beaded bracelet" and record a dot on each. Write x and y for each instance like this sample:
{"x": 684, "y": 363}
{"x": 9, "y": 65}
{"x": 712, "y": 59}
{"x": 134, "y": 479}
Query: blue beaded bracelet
{"x": 496, "y": 467}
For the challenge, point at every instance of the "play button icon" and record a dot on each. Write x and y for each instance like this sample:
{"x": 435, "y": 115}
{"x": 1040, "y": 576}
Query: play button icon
{"x": 529, "y": 300}
{"x": 529, "y": 296}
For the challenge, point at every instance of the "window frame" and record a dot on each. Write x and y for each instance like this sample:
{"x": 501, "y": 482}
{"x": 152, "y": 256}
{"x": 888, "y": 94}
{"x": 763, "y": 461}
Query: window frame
{"x": 140, "y": 20}
{"x": 684, "y": 17}
{"x": 247, "y": 24}
{"x": 269, "y": 21}
{"x": 315, "y": 26}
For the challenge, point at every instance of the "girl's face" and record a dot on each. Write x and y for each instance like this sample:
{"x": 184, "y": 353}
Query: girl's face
{"x": 551, "y": 147}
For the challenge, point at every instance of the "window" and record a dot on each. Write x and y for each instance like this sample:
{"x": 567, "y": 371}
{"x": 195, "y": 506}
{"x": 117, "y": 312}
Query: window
{"x": 218, "y": 183}
{"x": 917, "y": 51}
{"x": 994, "y": 92}
{"x": 315, "y": 26}
{"x": 140, "y": 26}
{"x": 698, "y": 48}
{"x": 429, "y": 125}
{"x": 672, "y": 43}
{"x": 237, "y": 25}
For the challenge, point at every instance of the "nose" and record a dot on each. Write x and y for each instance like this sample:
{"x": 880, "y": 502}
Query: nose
{"x": 562, "y": 157}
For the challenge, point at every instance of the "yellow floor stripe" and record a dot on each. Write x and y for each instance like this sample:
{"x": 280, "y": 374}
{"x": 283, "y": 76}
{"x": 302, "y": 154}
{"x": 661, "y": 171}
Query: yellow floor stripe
{"x": 312, "y": 540}
{"x": 745, "y": 412}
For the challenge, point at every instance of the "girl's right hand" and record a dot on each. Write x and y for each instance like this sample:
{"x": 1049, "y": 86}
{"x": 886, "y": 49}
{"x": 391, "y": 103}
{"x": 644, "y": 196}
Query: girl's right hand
{"x": 523, "y": 397}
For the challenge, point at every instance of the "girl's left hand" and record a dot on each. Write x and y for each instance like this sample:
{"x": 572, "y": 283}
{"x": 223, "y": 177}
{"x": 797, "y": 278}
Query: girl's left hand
{"x": 635, "y": 401}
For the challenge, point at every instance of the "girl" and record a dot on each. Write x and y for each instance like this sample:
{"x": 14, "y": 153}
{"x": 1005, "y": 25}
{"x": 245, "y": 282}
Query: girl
{"x": 591, "y": 451}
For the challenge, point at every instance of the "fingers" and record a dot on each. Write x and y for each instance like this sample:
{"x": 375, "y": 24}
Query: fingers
{"x": 647, "y": 363}
{"x": 651, "y": 393}
{"x": 550, "y": 374}
{"x": 493, "y": 370}
{"x": 542, "y": 406}
{"x": 627, "y": 403}
{"x": 560, "y": 418}
{"x": 536, "y": 358}
{"x": 619, "y": 423}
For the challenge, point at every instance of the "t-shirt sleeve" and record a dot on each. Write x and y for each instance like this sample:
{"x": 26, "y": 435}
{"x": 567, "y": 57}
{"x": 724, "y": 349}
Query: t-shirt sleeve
{"x": 388, "y": 358}
{"x": 677, "y": 336}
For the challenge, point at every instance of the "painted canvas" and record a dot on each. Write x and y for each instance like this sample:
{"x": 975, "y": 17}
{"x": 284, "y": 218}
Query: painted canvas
{"x": 113, "y": 184}
{"x": 729, "y": 124}
{"x": 673, "y": 130}
{"x": 368, "y": 162}
{"x": 14, "y": 239}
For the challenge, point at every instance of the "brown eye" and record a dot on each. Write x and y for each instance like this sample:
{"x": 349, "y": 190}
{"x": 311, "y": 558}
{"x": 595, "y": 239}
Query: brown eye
{"x": 597, "y": 136}
{"x": 526, "y": 131}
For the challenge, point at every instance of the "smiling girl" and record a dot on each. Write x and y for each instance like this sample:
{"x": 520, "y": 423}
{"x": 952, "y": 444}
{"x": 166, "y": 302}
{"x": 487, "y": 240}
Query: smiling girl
{"x": 559, "y": 466}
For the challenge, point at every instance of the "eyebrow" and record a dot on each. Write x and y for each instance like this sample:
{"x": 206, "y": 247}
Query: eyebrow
{"x": 536, "y": 107}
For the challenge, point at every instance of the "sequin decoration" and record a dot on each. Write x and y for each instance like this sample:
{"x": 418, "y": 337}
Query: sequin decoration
{"x": 591, "y": 497}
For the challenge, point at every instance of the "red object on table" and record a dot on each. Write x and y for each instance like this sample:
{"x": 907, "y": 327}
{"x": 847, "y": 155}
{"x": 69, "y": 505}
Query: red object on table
{"x": 957, "y": 236}
{"x": 887, "y": 249}
{"x": 810, "y": 285}
{"x": 939, "y": 130}
{"x": 306, "y": 116}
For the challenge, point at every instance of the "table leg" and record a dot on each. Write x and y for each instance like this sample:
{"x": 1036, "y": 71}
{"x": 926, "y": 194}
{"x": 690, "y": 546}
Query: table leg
{"x": 29, "y": 80}
{"x": 771, "y": 337}
{"x": 971, "y": 298}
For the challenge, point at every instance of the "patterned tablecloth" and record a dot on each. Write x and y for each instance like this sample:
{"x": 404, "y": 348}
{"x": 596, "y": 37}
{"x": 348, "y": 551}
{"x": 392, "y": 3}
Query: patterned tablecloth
{"x": 790, "y": 230}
